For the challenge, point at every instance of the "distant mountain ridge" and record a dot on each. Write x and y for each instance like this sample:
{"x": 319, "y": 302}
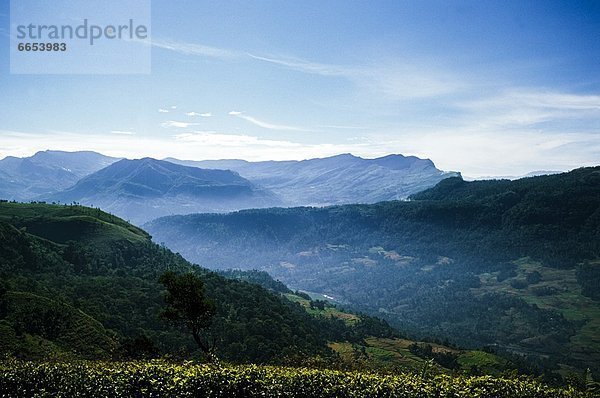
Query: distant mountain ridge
{"x": 340, "y": 179}
{"x": 534, "y": 173}
{"x": 147, "y": 188}
{"x": 47, "y": 172}
{"x": 143, "y": 189}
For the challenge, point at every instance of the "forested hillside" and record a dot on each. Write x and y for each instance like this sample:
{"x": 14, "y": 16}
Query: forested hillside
{"x": 76, "y": 282}
{"x": 509, "y": 264}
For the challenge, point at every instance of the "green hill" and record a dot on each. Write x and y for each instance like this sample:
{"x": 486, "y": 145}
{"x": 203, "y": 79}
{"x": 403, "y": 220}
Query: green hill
{"x": 511, "y": 265}
{"x": 61, "y": 224}
{"x": 77, "y": 282}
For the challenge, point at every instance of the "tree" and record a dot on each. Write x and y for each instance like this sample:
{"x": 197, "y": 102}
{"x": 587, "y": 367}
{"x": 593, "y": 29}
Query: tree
{"x": 187, "y": 305}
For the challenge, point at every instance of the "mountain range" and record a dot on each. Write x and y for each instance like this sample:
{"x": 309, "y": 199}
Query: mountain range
{"x": 338, "y": 179}
{"x": 143, "y": 189}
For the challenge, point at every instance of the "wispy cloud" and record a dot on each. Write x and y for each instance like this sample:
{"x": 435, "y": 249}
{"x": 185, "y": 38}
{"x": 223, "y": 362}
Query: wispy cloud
{"x": 206, "y": 114}
{"x": 177, "y": 124}
{"x": 266, "y": 125}
{"x": 565, "y": 101}
{"x": 528, "y": 107}
{"x": 309, "y": 67}
{"x": 231, "y": 140}
{"x": 162, "y": 110}
{"x": 498, "y": 152}
{"x": 122, "y": 132}
{"x": 396, "y": 79}
{"x": 194, "y": 49}
{"x": 14, "y": 133}
{"x": 341, "y": 127}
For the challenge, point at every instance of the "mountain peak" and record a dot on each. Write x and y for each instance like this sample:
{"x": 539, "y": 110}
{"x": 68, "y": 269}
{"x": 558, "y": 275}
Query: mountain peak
{"x": 47, "y": 172}
{"x": 345, "y": 156}
{"x": 142, "y": 189}
{"x": 398, "y": 162}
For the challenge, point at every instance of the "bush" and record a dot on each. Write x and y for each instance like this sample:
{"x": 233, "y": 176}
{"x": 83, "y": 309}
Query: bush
{"x": 162, "y": 379}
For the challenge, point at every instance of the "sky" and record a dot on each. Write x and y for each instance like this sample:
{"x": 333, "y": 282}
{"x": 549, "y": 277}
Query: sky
{"x": 485, "y": 88}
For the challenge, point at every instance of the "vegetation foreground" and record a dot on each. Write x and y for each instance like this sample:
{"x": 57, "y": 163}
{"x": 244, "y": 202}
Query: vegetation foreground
{"x": 164, "y": 379}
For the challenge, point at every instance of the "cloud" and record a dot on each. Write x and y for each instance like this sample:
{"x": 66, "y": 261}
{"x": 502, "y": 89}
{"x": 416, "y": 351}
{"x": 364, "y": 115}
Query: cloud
{"x": 161, "y": 110}
{"x": 122, "y": 132}
{"x": 529, "y": 107}
{"x": 309, "y": 67}
{"x": 506, "y": 132}
{"x": 193, "y": 49}
{"x": 393, "y": 78}
{"x": 174, "y": 107}
{"x": 265, "y": 125}
{"x": 231, "y": 140}
{"x": 543, "y": 99}
{"x": 342, "y": 127}
{"x": 207, "y": 114}
{"x": 176, "y": 124}
{"x": 396, "y": 79}
{"x": 195, "y": 145}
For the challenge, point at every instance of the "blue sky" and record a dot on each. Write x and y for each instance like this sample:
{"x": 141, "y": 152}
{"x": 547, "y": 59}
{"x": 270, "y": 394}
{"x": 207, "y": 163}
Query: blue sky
{"x": 485, "y": 88}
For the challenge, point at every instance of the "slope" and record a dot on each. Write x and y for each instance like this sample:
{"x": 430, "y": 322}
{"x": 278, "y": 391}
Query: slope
{"x": 455, "y": 261}
{"x": 76, "y": 282}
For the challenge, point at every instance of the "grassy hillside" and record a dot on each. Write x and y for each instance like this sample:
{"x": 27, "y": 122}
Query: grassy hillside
{"x": 447, "y": 264}
{"x": 61, "y": 224}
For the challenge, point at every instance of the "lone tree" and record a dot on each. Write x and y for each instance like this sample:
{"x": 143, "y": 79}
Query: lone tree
{"x": 187, "y": 305}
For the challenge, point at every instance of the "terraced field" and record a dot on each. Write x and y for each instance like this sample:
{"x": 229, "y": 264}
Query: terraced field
{"x": 556, "y": 289}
